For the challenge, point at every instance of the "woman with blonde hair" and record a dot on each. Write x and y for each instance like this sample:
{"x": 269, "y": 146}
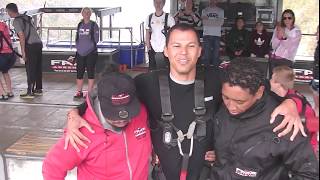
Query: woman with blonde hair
{"x": 87, "y": 38}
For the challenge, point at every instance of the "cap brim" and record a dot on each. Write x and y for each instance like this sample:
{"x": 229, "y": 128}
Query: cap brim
{"x": 112, "y": 112}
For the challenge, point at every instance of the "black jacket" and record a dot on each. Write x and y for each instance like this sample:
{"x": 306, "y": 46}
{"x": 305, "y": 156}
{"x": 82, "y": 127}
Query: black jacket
{"x": 238, "y": 40}
{"x": 246, "y": 147}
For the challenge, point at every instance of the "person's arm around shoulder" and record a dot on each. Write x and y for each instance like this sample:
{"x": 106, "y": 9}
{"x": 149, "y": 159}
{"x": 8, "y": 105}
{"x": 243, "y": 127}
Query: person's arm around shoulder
{"x": 73, "y": 134}
{"x": 291, "y": 122}
{"x": 58, "y": 161}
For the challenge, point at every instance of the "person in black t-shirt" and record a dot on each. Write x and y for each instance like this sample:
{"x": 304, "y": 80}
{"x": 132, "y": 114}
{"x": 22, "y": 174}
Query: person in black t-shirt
{"x": 183, "y": 50}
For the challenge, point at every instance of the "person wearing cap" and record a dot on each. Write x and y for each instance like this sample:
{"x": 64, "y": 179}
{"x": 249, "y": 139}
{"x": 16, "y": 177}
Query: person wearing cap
{"x": 121, "y": 145}
{"x": 183, "y": 83}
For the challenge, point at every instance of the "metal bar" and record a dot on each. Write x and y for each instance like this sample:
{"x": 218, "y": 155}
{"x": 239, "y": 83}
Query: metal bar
{"x": 47, "y": 37}
{"x": 101, "y": 26}
{"x": 131, "y": 48}
{"x": 39, "y": 104}
{"x": 110, "y": 26}
{"x": 119, "y": 37}
{"x": 110, "y": 11}
{"x": 71, "y": 39}
{"x": 74, "y": 28}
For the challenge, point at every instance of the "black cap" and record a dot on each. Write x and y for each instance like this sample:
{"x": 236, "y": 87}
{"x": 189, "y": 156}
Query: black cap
{"x": 117, "y": 96}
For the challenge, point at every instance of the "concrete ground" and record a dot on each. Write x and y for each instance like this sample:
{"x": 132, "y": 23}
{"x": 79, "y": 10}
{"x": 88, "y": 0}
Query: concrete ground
{"x": 29, "y": 127}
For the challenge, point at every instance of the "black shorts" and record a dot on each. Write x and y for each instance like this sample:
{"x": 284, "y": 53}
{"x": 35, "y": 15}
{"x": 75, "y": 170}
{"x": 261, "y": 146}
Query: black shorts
{"x": 7, "y": 60}
{"x": 88, "y": 63}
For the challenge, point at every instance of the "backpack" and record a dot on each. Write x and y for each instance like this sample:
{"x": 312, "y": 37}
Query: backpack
{"x": 165, "y": 28}
{"x": 25, "y": 22}
{"x": 305, "y": 111}
{"x": 91, "y": 32}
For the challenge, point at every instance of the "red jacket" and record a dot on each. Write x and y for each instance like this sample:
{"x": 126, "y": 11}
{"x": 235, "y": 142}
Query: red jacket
{"x": 312, "y": 122}
{"x": 109, "y": 156}
{"x": 5, "y": 31}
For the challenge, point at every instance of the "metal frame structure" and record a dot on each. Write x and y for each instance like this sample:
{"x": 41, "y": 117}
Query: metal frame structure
{"x": 99, "y": 12}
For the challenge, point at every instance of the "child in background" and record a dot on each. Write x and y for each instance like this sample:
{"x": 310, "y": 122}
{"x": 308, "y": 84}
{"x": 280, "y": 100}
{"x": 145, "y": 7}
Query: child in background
{"x": 259, "y": 42}
{"x": 282, "y": 82}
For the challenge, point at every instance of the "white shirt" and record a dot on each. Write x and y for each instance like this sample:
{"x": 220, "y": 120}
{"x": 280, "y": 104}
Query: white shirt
{"x": 158, "y": 40}
{"x": 216, "y": 18}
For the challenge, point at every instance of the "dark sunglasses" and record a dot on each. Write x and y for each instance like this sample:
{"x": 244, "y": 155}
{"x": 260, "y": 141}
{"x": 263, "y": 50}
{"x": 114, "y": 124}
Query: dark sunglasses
{"x": 284, "y": 18}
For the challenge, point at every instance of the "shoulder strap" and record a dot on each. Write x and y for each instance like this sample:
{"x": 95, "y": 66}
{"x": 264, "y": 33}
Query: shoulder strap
{"x": 165, "y": 95}
{"x": 199, "y": 105}
{"x": 303, "y": 100}
{"x": 166, "y": 21}
{"x": 78, "y": 28}
{"x": 29, "y": 19}
{"x": 8, "y": 43}
{"x": 1, "y": 41}
{"x": 149, "y": 24}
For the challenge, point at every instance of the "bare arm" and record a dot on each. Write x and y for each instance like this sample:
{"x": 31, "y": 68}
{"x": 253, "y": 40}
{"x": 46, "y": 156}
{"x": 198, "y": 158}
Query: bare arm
{"x": 73, "y": 135}
{"x": 291, "y": 119}
{"x": 22, "y": 40}
{"x": 148, "y": 44}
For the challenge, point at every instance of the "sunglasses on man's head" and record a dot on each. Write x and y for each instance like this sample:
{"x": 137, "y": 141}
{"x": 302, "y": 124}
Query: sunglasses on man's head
{"x": 284, "y": 18}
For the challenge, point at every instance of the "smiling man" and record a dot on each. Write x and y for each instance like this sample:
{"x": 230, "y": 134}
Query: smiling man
{"x": 245, "y": 145}
{"x": 181, "y": 87}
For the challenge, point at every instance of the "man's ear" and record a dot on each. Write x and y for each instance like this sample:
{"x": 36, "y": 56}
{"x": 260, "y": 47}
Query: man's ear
{"x": 260, "y": 92}
{"x": 199, "y": 52}
{"x": 166, "y": 51}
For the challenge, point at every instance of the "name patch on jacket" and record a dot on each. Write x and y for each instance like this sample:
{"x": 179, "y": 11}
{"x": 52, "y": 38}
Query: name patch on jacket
{"x": 140, "y": 133}
{"x": 246, "y": 173}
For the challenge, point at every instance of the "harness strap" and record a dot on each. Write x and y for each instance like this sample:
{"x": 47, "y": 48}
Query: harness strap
{"x": 168, "y": 116}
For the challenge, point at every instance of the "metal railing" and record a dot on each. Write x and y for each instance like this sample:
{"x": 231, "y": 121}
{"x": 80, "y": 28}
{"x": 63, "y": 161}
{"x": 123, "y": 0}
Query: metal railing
{"x": 72, "y": 31}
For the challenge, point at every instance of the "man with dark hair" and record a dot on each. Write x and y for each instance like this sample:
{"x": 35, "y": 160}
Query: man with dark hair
{"x": 181, "y": 104}
{"x": 245, "y": 145}
{"x": 31, "y": 50}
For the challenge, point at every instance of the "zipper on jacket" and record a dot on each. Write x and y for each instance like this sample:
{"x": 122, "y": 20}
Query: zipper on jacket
{"x": 127, "y": 155}
{"x": 252, "y": 147}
